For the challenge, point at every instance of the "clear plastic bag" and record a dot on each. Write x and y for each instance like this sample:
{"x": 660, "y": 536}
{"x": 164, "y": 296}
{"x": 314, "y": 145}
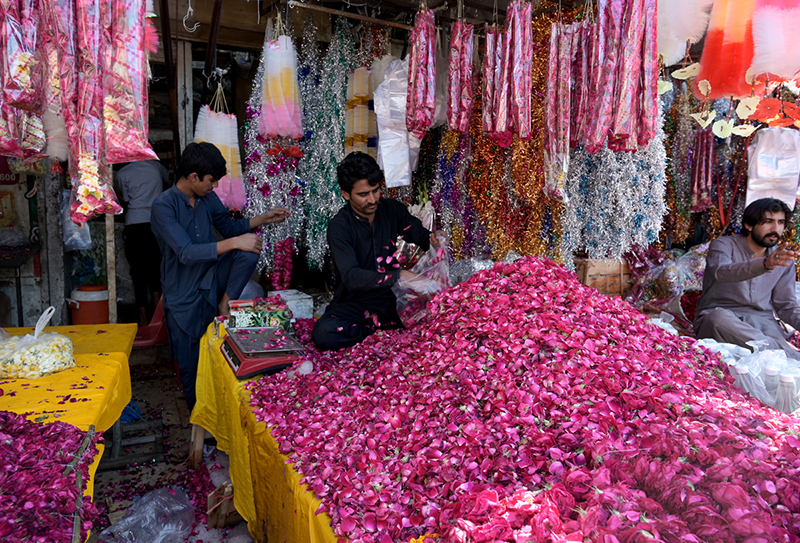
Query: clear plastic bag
{"x": 77, "y": 237}
{"x": 787, "y": 397}
{"x": 663, "y": 321}
{"x": 432, "y": 276}
{"x": 758, "y": 373}
{"x": 160, "y": 516}
{"x": 35, "y": 355}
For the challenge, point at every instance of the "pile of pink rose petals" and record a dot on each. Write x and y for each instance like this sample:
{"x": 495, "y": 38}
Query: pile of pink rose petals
{"x": 37, "y": 501}
{"x": 527, "y": 407}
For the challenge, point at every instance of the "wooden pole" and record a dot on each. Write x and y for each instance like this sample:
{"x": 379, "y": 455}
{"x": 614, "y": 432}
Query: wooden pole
{"x": 314, "y": 7}
{"x": 172, "y": 82}
{"x": 111, "y": 268}
{"x": 211, "y": 51}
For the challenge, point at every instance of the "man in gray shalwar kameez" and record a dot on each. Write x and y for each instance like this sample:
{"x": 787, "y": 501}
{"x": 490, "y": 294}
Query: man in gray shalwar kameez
{"x": 748, "y": 281}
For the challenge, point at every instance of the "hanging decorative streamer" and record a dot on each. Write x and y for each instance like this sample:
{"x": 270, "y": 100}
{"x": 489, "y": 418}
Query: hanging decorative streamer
{"x": 271, "y": 173}
{"x": 280, "y": 101}
{"x": 215, "y": 125}
{"x": 703, "y": 160}
{"x": 681, "y": 140}
{"x": 125, "y": 112}
{"x": 615, "y": 201}
{"x": 325, "y": 148}
{"x": 459, "y": 95}
{"x": 421, "y": 102}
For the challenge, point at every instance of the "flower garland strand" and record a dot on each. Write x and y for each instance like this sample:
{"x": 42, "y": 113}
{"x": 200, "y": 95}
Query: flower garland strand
{"x": 325, "y": 146}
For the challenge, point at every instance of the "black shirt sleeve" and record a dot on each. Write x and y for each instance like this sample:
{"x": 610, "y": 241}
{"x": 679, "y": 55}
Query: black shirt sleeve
{"x": 410, "y": 227}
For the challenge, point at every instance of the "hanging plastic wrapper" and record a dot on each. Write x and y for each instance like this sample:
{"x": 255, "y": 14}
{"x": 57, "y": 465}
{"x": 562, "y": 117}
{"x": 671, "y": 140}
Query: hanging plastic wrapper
{"x": 219, "y": 128}
{"x": 647, "y": 120}
{"x": 582, "y": 46}
{"x": 442, "y": 64}
{"x": 604, "y": 72}
{"x": 21, "y": 67}
{"x": 52, "y": 120}
{"x": 421, "y": 101}
{"x": 61, "y": 29}
{"x": 125, "y": 111}
{"x": 459, "y": 93}
{"x": 773, "y": 165}
{"x": 280, "y": 106}
{"x": 490, "y": 61}
{"x": 502, "y": 93}
{"x": 557, "y": 111}
{"x": 398, "y": 149}
{"x": 520, "y": 65}
{"x": 623, "y": 135}
{"x": 93, "y": 194}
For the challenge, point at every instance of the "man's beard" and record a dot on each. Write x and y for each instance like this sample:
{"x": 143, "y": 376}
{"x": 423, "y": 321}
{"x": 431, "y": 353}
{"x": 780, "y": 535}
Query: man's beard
{"x": 766, "y": 240}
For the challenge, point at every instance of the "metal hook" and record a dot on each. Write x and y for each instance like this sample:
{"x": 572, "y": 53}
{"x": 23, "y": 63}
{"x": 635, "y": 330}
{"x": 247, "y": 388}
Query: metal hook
{"x": 189, "y": 13}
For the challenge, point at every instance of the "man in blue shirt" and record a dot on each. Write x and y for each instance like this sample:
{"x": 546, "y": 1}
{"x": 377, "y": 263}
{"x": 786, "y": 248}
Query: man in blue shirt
{"x": 199, "y": 274}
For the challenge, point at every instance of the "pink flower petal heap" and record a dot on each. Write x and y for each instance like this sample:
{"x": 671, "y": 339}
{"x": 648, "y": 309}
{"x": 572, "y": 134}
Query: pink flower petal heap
{"x": 37, "y": 502}
{"x": 527, "y": 407}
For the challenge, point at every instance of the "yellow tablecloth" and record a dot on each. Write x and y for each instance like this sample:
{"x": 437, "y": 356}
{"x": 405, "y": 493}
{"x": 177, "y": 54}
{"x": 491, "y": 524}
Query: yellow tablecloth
{"x": 267, "y": 490}
{"x": 99, "y": 384}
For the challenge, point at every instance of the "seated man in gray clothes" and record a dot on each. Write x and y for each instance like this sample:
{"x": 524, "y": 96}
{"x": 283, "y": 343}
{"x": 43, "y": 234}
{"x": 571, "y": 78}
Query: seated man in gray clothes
{"x": 748, "y": 281}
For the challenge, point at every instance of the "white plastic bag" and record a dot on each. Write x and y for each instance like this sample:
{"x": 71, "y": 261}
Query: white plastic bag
{"x": 663, "y": 321}
{"x": 398, "y": 151}
{"x": 773, "y": 165}
{"x": 76, "y": 237}
{"x": 35, "y": 355}
{"x": 160, "y": 516}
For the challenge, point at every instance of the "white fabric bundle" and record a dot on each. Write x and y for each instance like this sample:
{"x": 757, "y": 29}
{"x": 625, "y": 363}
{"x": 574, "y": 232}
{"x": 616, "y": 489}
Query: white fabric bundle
{"x": 221, "y": 130}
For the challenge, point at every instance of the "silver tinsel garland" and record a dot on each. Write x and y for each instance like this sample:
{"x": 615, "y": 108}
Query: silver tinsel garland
{"x": 325, "y": 146}
{"x": 270, "y": 180}
{"x": 616, "y": 200}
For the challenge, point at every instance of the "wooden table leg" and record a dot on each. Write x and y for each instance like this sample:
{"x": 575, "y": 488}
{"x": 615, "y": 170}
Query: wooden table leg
{"x": 196, "y": 446}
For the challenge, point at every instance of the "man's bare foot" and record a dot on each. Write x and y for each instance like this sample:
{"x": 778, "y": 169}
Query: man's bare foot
{"x": 224, "y": 307}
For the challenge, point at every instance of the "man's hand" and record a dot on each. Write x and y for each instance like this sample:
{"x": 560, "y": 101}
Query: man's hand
{"x": 780, "y": 257}
{"x": 407, "y": 276}
{"x": 249, "y": 242}
{"x": 278, "y": 214}
{"x": 435, "y": 241}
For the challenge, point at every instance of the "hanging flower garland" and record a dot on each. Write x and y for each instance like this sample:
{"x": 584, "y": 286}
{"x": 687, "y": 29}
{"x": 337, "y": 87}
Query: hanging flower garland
{"x": 270, "y": 171}
{"x": 325, "y": 146}
{"x": 679, "y": 145}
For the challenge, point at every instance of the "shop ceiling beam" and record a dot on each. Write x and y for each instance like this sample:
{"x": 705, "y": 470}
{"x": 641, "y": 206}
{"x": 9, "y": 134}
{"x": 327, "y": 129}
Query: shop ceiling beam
{"x": 314, "y": 7}
{"x": 171, "y": 81}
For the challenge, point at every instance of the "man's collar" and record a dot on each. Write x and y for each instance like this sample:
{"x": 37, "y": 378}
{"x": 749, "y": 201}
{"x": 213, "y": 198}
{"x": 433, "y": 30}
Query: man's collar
{"x": 181, "y": 195}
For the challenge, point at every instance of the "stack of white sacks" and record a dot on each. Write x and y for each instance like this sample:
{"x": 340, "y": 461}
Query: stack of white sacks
{"x": 764, "y": 374}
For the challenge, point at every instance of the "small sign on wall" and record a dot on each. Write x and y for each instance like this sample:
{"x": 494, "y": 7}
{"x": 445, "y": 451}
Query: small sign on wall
{"x": 7, "y": 177}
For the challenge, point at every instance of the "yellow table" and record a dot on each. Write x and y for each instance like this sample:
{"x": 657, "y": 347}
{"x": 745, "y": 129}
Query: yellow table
{"x": 100, "y": 383}
{"x": 267, "y": 490}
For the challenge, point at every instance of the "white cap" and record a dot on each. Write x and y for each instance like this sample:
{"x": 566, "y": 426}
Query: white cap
{"x": 772, "y": 371}
{"x": 742, "y": 370}
{"x": 787, "y": 378}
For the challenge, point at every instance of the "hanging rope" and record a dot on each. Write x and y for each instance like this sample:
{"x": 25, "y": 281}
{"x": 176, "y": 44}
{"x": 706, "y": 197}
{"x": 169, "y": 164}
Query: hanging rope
{"x": 189, "y": 13}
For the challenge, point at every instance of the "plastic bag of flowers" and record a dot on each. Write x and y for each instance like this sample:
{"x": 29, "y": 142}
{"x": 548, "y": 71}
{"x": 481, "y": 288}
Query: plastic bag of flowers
{"x": 432, "y": 275}
{"x": 35, "y": 355}
{"x": 163, "y": 515}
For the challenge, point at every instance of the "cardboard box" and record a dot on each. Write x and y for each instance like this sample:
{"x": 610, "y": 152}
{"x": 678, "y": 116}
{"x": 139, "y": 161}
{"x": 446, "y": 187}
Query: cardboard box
{"x": 253, "y": 313}
{"x": 300, "y": 304}
{"x": 611, "y": 277}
